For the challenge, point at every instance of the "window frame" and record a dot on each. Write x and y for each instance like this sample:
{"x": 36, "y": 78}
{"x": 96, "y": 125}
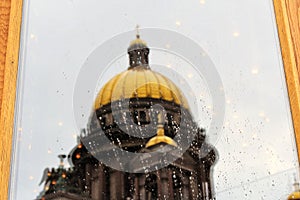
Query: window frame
{"x": 287, "y": 19}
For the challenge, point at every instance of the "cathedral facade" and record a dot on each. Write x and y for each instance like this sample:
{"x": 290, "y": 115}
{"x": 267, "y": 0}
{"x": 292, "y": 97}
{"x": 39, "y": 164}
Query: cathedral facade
{"x": 129, "y": 103}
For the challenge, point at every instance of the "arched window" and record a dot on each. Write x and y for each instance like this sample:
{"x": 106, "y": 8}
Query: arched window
{"x": 170, "y": 118}
{"x": 144, "y": 117}
{"x": 109, "y": 119}
{"x": 140, "y": 116}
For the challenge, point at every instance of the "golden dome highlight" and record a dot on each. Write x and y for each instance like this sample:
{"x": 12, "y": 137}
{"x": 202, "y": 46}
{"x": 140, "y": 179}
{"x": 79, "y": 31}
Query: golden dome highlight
{"x": 160, "y": 135}
{"x": 294, "y": 196}
{"x": 138, "y": 41}
{"x": 161, "y": 139}
{"x": 140, "y": 82}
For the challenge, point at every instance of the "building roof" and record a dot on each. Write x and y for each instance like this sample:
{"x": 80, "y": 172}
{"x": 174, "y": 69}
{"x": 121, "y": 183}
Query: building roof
{"x": 139, "y": 83}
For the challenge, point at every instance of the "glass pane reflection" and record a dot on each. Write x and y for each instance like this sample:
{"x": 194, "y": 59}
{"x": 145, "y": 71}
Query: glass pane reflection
{"x": 256, "y": 149}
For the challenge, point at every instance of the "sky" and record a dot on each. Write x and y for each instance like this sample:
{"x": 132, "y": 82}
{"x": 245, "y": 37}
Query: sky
{"x": 256, "y": 145}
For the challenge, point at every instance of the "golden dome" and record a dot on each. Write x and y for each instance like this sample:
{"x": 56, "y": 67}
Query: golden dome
{"x": 137, "y": 44}
{"x": 294, "y": 195}
{"x": 138, "y": 41}
{"x": 139, "y": 82}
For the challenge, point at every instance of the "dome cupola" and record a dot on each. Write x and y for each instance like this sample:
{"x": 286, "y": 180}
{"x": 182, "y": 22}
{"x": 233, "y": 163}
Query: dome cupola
{"x": 138, "y": 52}
{"x": 139, "y": 81}
{"x": 126, "y": 104}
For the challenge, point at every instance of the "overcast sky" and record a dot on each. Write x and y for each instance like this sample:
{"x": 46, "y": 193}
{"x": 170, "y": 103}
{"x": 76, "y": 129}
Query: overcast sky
{"x": 257, "y": 155}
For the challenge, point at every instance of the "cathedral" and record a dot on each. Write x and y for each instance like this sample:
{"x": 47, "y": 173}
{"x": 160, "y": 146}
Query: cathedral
{"x": 138, "y": 112}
